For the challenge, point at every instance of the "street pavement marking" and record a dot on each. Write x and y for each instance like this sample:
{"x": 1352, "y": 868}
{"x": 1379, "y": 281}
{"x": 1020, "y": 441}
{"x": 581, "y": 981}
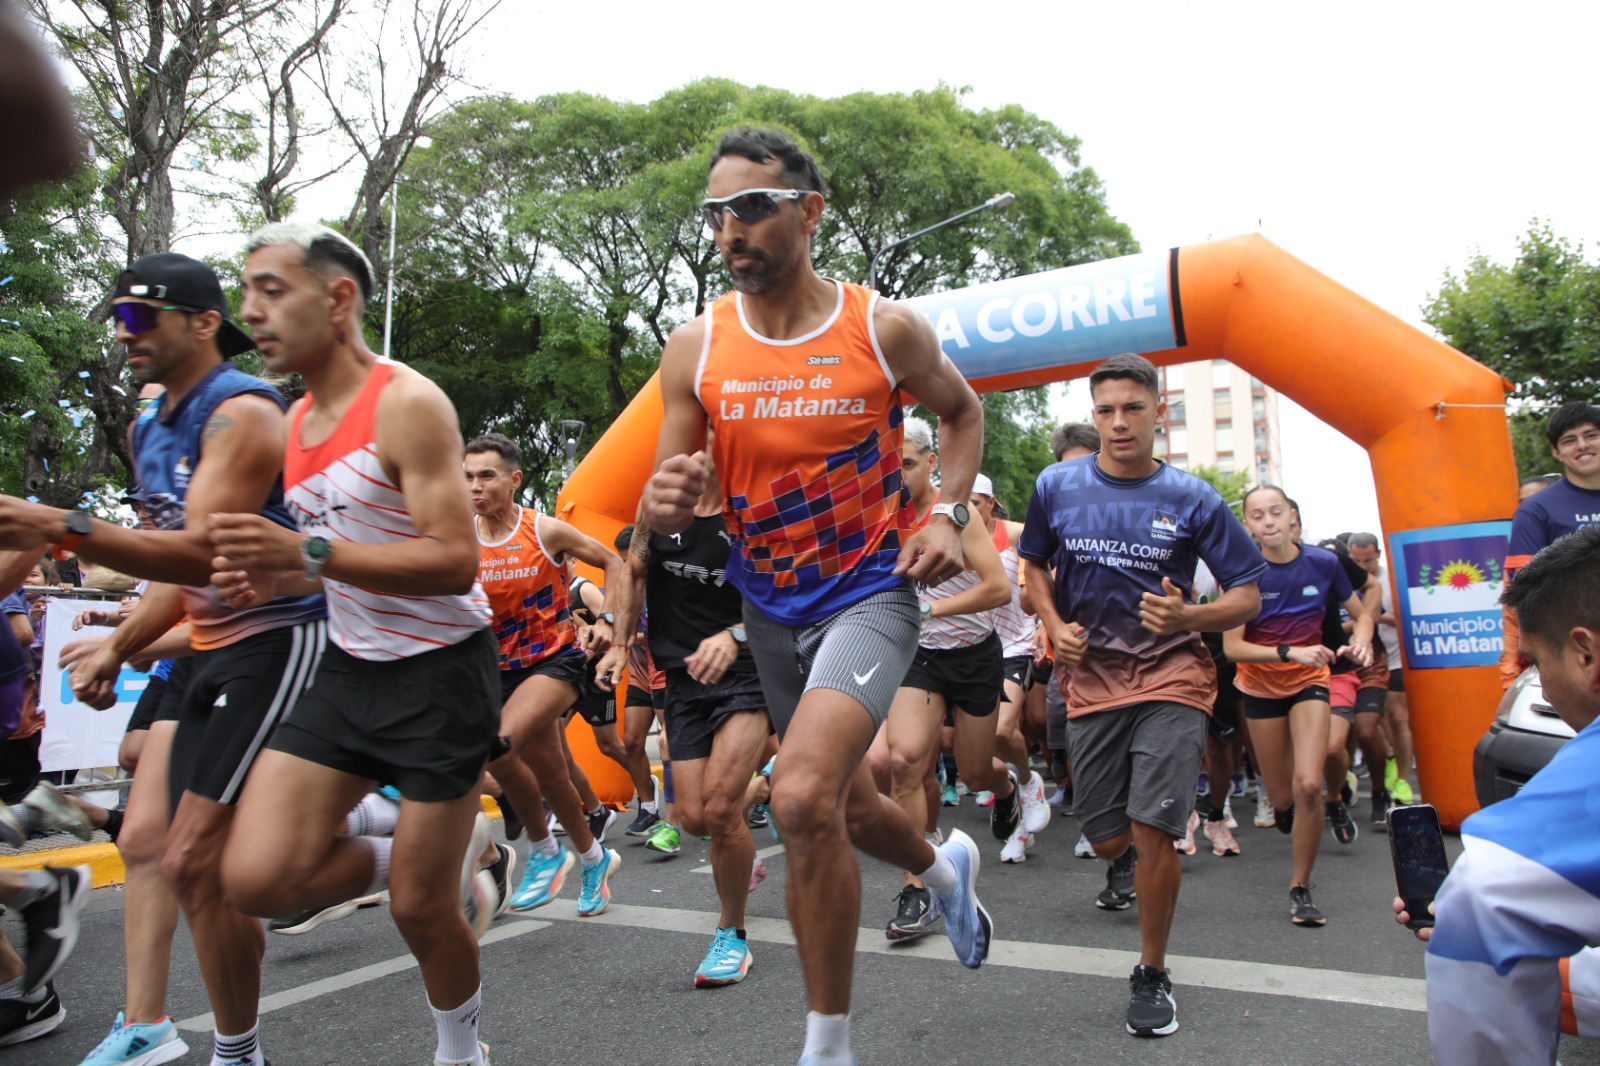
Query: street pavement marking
{"x": 764, "y": 853}
{"x": 205, "y": 1023}
{"x": 1260, "y": 978}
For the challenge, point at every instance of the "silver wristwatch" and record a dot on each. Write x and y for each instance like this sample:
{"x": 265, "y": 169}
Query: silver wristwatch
{"x": 314, "y": 555}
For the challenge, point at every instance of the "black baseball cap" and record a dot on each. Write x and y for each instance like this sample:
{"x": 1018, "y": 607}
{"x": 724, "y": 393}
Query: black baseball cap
{"x": 186, "y": 283}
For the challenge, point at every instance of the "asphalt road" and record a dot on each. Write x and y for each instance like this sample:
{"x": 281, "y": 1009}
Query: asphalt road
{"x": 618, "y": 989}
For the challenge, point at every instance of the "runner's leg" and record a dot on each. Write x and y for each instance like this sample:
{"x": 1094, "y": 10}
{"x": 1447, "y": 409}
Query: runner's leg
{"x": 149, "y": 907}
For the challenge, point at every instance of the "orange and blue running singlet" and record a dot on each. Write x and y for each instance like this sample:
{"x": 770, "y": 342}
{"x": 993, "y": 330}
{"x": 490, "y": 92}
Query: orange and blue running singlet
{"x": 807, "y": 448}
{"x": 527, "y": 588}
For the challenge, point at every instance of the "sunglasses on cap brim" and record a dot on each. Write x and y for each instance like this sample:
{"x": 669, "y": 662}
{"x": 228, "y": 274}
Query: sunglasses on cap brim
{"x": 752, "y": 205}
{"x": 139, "y": 318}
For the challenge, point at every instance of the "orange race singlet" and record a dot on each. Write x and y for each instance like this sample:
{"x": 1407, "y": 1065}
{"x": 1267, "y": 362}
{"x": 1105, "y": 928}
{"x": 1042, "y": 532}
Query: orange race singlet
{"x": 528, "y": 591}
{"x": 807, "y": 448}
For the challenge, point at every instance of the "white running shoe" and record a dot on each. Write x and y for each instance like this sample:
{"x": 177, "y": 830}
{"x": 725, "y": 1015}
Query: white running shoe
{"x": 1186, "y": 845}
{"x": 1266, "y": 817}
{"x": 479, "y": 895}
{"x": 1016, "y": 849}
{"x": 1083, "y": 849}
{"x": 1227, "y": 813}
{"x": 1035, "y": 810}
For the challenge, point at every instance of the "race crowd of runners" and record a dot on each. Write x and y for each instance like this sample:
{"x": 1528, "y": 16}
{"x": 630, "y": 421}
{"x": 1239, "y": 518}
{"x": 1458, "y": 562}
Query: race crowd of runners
{"x": 839, "y": 628}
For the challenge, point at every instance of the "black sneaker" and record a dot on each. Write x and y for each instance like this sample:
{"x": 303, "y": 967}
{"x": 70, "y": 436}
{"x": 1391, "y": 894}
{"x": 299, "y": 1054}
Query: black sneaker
{"x": 1007, "y": 811}
{"x": 601, "y": 819}
{"x": 914, "y": 914}
{"x": 643, "y": 824}
{"x": 1119, "y": 891}
{"x": 1151, "y": 1009}
{"x": 21, "y": 1021}
{"x": 1344, "y": 827}
{"x": 512, "y": 823}
{"x": 305, "y": 921}
{"x": 52, "y": 923}
{"x": 1380, "y": 808}
{"x": 1285, "y": 821}
{"x": 502, "y": 870}
{"x": 1302, "y": 911}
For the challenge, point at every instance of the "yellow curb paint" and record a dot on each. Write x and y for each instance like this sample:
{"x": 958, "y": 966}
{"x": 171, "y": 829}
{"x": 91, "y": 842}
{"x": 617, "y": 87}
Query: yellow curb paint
{"x": 103, "y": 860}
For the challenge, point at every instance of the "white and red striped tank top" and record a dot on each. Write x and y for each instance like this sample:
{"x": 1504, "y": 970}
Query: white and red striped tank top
{"x": 1011, "y": 621}
{"x": 338, "y": 489}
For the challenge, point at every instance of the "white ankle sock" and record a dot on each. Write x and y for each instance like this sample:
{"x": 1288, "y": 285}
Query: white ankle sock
{"x": 458, "y": 1031}
{"x": 381, "y": 848}
{"x": 827, "y": 1038}
{"x": 375, "y": 816}
{"x": 596, "y": 853}
{"x": 547, "y": 846}
{"x": 941, "y": 876}
{"x": 227, "y": 1050}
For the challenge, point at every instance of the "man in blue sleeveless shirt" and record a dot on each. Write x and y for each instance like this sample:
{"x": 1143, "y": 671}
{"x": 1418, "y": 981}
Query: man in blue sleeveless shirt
{"x": 212, "y": 444}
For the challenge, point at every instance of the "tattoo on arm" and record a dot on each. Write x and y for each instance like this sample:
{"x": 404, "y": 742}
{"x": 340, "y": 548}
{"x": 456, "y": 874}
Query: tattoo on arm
{"x": 214, "y": 425}
{"x": 640, "y": 544}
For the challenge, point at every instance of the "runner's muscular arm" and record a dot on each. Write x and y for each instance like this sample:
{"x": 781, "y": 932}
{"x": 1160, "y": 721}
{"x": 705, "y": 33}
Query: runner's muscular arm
{"x": 94, "y": 678}
{"x": 680, "y": 473}
{"x": 563, "y": 538}
{"x": 1365, "y": 613}
{"x": 243, "y": 456}
{"x": 634, "y": 567}
{"x": 1239, "y": 650}
{"x": 1069, "y": 639}
{"x": 993, "y": 588}
{"x": 419, "y": 444}
{"x": 14, "y": 566}
{"x": 933, "y": 553}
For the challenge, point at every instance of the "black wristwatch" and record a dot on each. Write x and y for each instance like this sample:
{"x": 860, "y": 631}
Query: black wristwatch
{"x": 1283, "y": 653}
{"x": 78, "y": 526}
{"x": 738, "y": 634}
{"x": 608, "y": 617}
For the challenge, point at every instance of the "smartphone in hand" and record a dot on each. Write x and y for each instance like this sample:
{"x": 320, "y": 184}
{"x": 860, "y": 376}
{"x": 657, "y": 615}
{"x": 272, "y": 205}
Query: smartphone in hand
{"x": 1420, "y": 866}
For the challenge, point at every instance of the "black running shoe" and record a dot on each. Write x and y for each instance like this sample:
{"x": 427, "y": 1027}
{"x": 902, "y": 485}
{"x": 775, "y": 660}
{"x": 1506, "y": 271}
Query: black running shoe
{"x": 1007, "y": 811}
{"x": 305, "y": 921}
{"x": 22, "y": 1021}
{"x": 1285, "y": 821}
{"x": 1344, "y": 827}
{"x": 914, "y": 914}
{"x": 1302, "y": 911}
{"x": 643, "y": 824}
{"x": 759, "y": 817}
{"x": 601, "y": 819}
{"x": 1119, "y": 892}
{"x": 505, "y": 866}
{"x": 52, "y": 923}
{"x": 1380, "y": 808}
{"x": 1151, "y": 1009}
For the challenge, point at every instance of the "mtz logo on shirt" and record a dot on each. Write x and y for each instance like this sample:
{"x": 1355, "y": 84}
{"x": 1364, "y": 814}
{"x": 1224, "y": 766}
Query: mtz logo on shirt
{"x": 1164, "y": 526}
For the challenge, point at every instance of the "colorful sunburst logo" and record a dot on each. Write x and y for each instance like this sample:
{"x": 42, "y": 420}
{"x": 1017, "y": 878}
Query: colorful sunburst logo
{"x": 1459, "y": 575}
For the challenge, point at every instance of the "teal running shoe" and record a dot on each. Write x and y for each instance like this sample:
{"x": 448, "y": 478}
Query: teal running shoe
{"x": 542, "y": 879}
{"x": 666, "y": 839}
{"x": 596, "y": 894}
{"x": 141, "y": 1044}
{"x": 726, "y": 963}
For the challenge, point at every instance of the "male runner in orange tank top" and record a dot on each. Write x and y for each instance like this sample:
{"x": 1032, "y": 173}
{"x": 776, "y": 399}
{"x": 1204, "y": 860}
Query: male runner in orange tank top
{"x": 800, "y": 378}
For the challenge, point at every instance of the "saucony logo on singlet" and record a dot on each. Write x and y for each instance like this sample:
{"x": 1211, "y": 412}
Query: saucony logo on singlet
{"x": 862, "y": 679}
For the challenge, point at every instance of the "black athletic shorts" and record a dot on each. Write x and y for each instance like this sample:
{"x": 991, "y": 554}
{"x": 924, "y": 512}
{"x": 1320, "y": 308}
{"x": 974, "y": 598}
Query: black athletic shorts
{"x": 565, "y": 666}
{"x": 19, "y": 767}
{"x": 1262, "y": 707}
{"x": 969, "y": 678}
{"x": 1368, "y": 701}
{"x": 1018, "y": 669}
{"x": 1397, "y": 680}
{"x": 695, "y": 712}
{"x": 595, "y": 705}
{"x": 235, "y": 697}
{"x": 640, "y": 697}
{"x": 1224, "y": 724}
{"x": 162, "y": 698}
{"x": 426, "y": 724}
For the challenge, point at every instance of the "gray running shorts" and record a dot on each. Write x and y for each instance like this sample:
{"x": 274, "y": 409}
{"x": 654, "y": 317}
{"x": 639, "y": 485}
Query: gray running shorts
{"x": 1055, "y": 713}
{"x": 862, "y": 651}
{"x": 1136, "y": 763}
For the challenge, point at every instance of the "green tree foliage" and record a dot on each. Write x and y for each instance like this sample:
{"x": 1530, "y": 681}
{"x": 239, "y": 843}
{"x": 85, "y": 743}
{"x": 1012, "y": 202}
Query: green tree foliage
{"x": 1231, "y": 487}
{"x": 1535, "y": 322}
{"x": 572, "y": 220}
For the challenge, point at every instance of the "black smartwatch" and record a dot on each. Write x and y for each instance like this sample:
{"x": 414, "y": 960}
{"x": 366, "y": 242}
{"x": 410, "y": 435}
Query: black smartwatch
{"x": 1283, "y": 653}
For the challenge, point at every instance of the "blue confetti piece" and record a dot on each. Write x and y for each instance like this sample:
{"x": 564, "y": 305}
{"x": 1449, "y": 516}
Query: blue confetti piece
{"x": 28, "y": 414}
{"x": 16, "y": 358}
{"x": 83, "y": 373}
{"x": 46, "y": 464}
{"x": 63, "y": 403}
{"x": 33, "y": 499}
{"x": 7, "y": 280}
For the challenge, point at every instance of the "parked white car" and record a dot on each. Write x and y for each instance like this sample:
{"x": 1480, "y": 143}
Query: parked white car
{"x": 1525, "y": 735}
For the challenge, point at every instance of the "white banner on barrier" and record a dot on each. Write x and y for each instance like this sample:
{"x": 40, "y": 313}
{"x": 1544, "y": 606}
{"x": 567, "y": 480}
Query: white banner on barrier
{"x": 77, "y": 736}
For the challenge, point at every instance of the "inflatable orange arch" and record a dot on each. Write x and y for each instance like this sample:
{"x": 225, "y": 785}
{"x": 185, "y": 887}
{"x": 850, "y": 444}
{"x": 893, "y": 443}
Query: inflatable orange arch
{"x": 1431, "y": 419}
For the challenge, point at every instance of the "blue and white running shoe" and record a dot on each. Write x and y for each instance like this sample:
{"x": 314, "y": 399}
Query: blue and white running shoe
{"x": 965, "y": 921}
{"x": 542, "y": 879}
{"x": 596, "y": 894}
{"x": 726, "y": 963}
{"x": 141, "y": 1044}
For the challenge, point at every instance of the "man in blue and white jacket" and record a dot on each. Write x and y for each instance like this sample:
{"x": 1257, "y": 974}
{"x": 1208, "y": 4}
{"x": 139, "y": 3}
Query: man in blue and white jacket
{"x": 1510, "y": 960}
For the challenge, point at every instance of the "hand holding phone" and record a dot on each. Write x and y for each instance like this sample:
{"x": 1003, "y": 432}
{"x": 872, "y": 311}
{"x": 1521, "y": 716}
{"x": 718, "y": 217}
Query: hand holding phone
{"x": 1416, "y": 844}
